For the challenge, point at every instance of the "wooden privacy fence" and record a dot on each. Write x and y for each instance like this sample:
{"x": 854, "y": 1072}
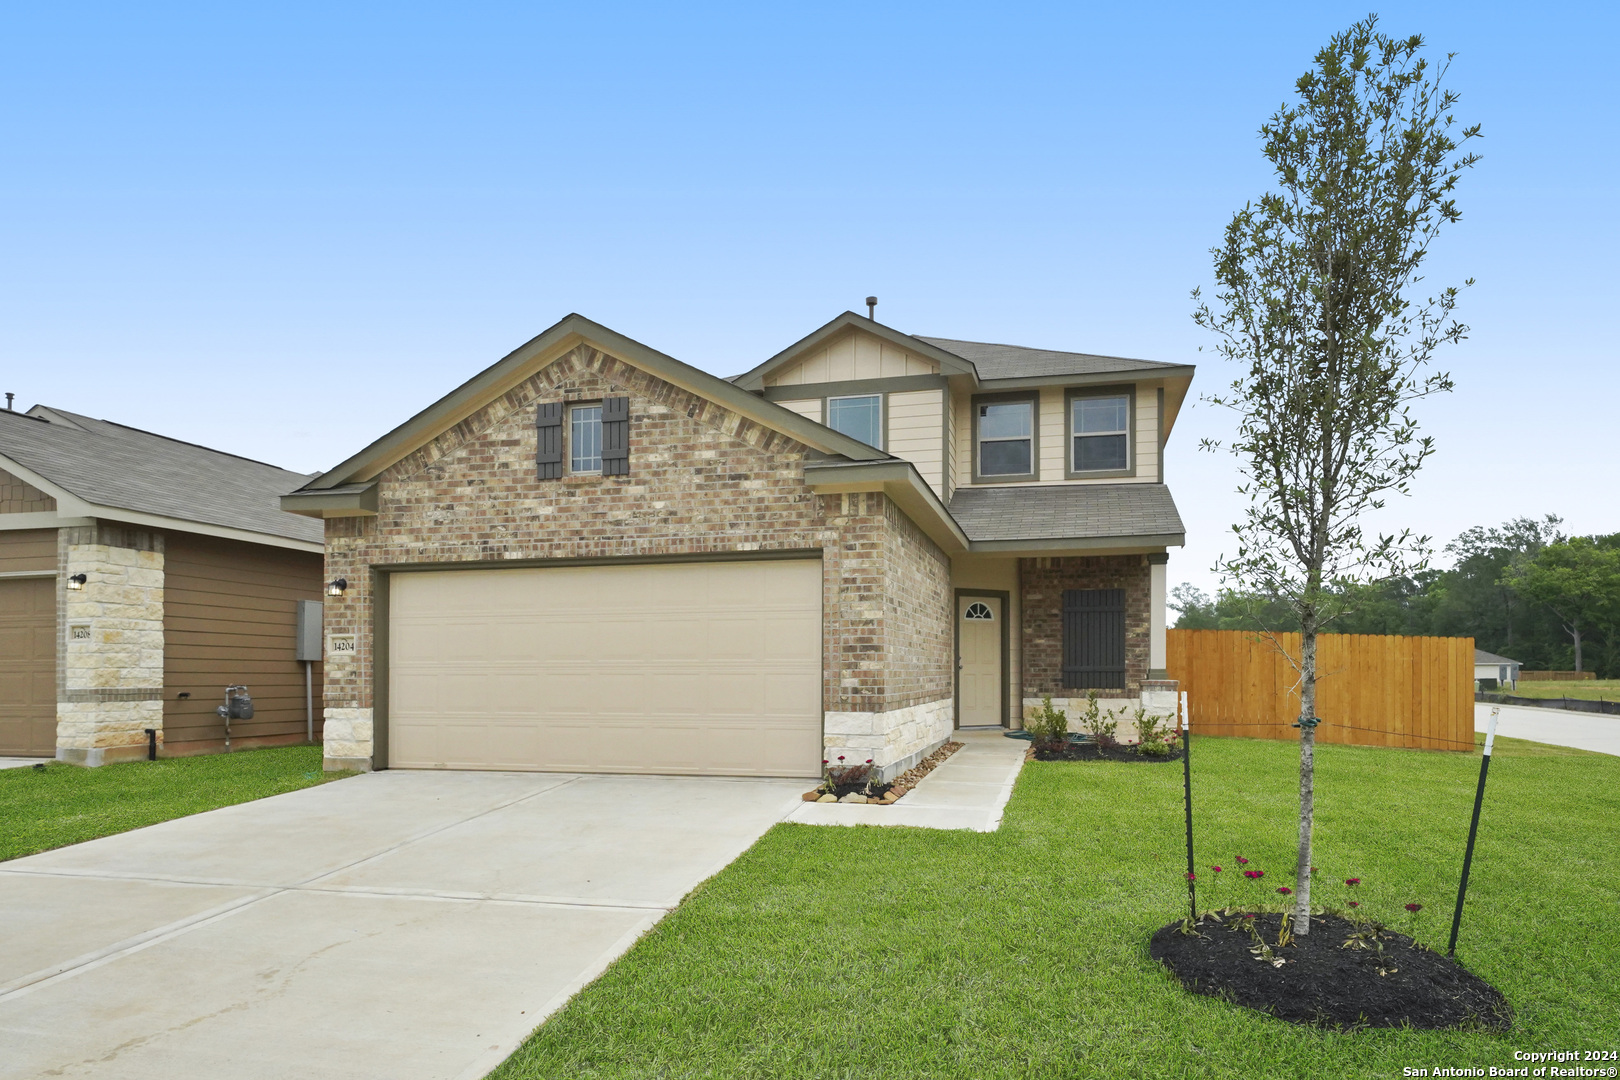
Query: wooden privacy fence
{"x": 1371, "y": 690}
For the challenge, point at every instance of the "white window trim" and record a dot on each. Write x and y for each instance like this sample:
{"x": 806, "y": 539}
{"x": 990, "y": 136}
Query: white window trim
{"x": 572, "y": 409}
{"x": 882, "y": 414}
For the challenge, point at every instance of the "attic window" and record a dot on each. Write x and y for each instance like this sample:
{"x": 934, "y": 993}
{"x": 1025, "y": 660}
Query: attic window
{"x": 858, "y": 417}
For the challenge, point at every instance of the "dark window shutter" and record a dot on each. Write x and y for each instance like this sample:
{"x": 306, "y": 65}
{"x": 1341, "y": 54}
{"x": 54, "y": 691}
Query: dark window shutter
{"x": 616, "y": 436}
{"x": 1094, "y": 639}
{"x": 548, "y": 424}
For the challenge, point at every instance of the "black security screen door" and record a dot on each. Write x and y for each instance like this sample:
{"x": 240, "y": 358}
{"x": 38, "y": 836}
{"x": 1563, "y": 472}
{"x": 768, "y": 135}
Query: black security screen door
{"x": 1094, "y": 638}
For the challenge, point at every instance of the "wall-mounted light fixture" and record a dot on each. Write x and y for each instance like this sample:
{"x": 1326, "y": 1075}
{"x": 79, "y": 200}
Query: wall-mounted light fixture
{"x": 335, "y": 588}
{"x": 76, "y": 582}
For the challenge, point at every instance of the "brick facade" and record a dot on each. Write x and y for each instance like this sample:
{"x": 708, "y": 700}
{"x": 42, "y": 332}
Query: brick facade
{"x": 1043, "y": 583}
{"x": 702, "y": 480}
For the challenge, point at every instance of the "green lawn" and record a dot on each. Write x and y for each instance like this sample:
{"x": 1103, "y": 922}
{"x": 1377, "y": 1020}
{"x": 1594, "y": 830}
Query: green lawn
{"x": 895, "y": 953}
{"x": 1590, "y": 690}
{"x": 66, "y": 804}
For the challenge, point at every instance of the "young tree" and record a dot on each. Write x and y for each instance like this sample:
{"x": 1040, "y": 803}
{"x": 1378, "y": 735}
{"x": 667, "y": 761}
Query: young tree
{"x": 1578, "y": 579}
{"x": 1313, "y": 303}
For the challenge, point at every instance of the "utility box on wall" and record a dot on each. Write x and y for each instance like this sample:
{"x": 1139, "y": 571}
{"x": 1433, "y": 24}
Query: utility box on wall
{"x": 310, "y": 614}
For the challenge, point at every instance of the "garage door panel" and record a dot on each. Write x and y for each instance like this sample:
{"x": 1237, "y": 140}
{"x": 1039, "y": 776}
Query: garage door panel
{"x": 706, "y": 668}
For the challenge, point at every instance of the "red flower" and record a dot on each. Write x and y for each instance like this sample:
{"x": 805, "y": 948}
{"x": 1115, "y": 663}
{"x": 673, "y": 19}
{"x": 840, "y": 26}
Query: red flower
{"x": 1355, "y": 903}
{"x": 1285, "y": 890}
{"x": 1254, "y": 875}
{"x": 1216, "y": 869}
{"x": 1192, "y": 876}
{"x": 1242, "y": 861}
{"x": 1414, "y": 907}
{"x": 1352, "y": 881}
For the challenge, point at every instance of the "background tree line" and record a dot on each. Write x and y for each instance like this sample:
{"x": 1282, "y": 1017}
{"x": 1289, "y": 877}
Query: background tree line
{"x": 1524, "y": 590}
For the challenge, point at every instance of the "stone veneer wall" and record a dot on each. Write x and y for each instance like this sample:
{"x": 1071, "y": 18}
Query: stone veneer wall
{"x": 110, "y": 685}
{"x": 1043, "y": 582}
{"x": 702, "y": 480}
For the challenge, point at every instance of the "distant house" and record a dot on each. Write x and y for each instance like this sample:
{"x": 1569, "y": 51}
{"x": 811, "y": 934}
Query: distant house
{"x": 1492, "y": 671}
{"x": 140, "y": 576}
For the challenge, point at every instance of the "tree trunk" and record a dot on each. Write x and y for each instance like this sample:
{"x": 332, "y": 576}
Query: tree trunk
{"x": 1575, "y": 632}
{"x": 1307, "y": 774}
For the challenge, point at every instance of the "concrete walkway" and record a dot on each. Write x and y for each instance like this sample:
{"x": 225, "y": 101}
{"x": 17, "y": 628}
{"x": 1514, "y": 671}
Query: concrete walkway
{"x": 969, "y": 791}
{"x": 21, "y": 762}
{"x": 1560, "y": 727}
{"x": 401, "y": 924}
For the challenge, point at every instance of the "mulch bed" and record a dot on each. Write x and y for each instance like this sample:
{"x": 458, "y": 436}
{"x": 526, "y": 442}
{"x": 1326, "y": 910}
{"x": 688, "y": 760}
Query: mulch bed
{"x": 1321, "y": 982}
{"x": 1090, "y": 751}
{"x": 898, "y": 786}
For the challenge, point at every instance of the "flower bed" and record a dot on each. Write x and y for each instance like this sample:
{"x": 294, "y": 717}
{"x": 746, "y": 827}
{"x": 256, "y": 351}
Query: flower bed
{"x": 1091, "y": 751}
{"x": 1346, "y": 973}
{"x": 855, "y": 789}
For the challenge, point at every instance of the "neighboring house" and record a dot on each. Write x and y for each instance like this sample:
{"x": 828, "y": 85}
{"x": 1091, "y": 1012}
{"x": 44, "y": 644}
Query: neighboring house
{"x": 592, "y": 556}
{"x": 140, "y": 576}
{"x": 1492, "y": 671}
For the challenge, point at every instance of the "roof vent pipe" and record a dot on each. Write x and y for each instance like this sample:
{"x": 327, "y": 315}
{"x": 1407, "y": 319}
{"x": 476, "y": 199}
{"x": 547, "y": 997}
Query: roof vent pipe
{"x": 871, "y": 312}
{"x": 9, "y": 396}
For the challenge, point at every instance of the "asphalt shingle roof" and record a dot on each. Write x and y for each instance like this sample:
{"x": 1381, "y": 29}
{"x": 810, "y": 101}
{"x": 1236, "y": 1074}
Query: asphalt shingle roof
{"x": 1483, "y": 657}
{"x": 1017, "y": 362}
{"x": 128, "y": 469}
{"x": 1079, "y": 511}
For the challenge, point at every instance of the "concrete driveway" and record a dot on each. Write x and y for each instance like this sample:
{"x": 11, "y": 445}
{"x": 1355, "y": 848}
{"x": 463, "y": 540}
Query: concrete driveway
{"x": 400, "y": 925}
{"x": 1560, "y": 727}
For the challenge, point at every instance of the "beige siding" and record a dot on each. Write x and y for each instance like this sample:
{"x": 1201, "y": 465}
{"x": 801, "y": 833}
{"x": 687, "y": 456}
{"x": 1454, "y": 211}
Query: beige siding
{"x": 810, "y": 408}
{"x": 951, "y": 472}
{"x": 855, "y": 355}
{"x": 229, "y": 615}
{"x": 17, "y": 496}
{"x": 1054, "y": 439}
{"x": 916, "y": 434}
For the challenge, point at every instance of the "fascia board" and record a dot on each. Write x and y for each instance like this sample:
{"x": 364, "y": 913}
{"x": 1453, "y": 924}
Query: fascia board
{"x": 1090, "y": 545}
{"x": 949, "y": 363}
{"x": 353, "y": 500}
{"x": 900, "y": 481}
{"x": 41, "y": 519}
{"x": 533, "y": 355}
{"x": 67, "y": 503}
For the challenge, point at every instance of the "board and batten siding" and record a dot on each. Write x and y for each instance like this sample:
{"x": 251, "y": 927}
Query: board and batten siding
{"x": 855, "y": 355}
{"x": 229, "y": 617}
{"x": 809, "y": 408}
{"x": 916, "y": 433}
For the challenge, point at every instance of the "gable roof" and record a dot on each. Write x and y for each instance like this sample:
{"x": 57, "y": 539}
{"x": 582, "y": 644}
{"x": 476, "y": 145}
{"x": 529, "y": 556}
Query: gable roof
{"x": 102, "y": 466}
{"x": 949, "y": 363}
{"x": 1483, "y": 657}
{"x": 532, "y": 356}
{"x": 993, "y": 361}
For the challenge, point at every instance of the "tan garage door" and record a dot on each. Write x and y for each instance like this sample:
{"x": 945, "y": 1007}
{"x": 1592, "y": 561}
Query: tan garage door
{"x": 28, "y": 666}
{"x": 707, "y": 668}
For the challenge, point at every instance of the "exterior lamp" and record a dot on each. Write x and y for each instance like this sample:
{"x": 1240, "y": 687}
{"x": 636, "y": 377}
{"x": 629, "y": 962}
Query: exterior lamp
{"x": 76, "y": 582}
{"x": 336, "y": 587}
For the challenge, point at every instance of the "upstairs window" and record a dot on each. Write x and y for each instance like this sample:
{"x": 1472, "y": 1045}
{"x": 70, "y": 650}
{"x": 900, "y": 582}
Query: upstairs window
{"x": 1100, "y": 433}
{"x": 1004, "y": 432}
{"x": 585, "y": 439}
{"x": 858, "y": 417}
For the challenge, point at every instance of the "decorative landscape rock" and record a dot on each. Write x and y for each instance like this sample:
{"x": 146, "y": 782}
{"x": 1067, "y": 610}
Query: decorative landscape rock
{"x": 884, "y": 794}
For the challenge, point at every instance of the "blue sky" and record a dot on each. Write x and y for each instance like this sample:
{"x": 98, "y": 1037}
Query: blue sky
{"x": 282, "y": 231}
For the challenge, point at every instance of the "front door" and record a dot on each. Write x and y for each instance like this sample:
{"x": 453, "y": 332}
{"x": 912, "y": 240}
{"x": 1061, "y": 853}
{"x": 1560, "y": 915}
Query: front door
{"x": 978, "y": 661}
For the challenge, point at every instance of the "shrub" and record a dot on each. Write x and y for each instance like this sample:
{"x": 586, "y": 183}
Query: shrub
{"x": 1092, "y": 722}
{"x": 1152, "y": 734}
{"x": 1049, "y": 727}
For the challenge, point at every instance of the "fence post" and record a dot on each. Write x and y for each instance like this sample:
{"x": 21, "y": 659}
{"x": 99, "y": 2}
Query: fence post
{"x": 1473, "y": 830}
{"x": 1186, "y": 790}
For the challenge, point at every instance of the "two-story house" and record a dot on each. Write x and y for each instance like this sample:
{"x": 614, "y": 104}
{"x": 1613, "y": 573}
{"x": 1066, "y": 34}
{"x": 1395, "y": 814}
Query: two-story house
{"x": 594, "y": 557}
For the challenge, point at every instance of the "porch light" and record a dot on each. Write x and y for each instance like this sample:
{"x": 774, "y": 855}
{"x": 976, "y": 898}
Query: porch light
{"x": 76, "y": 582}
{"x": 335, "y": 588}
